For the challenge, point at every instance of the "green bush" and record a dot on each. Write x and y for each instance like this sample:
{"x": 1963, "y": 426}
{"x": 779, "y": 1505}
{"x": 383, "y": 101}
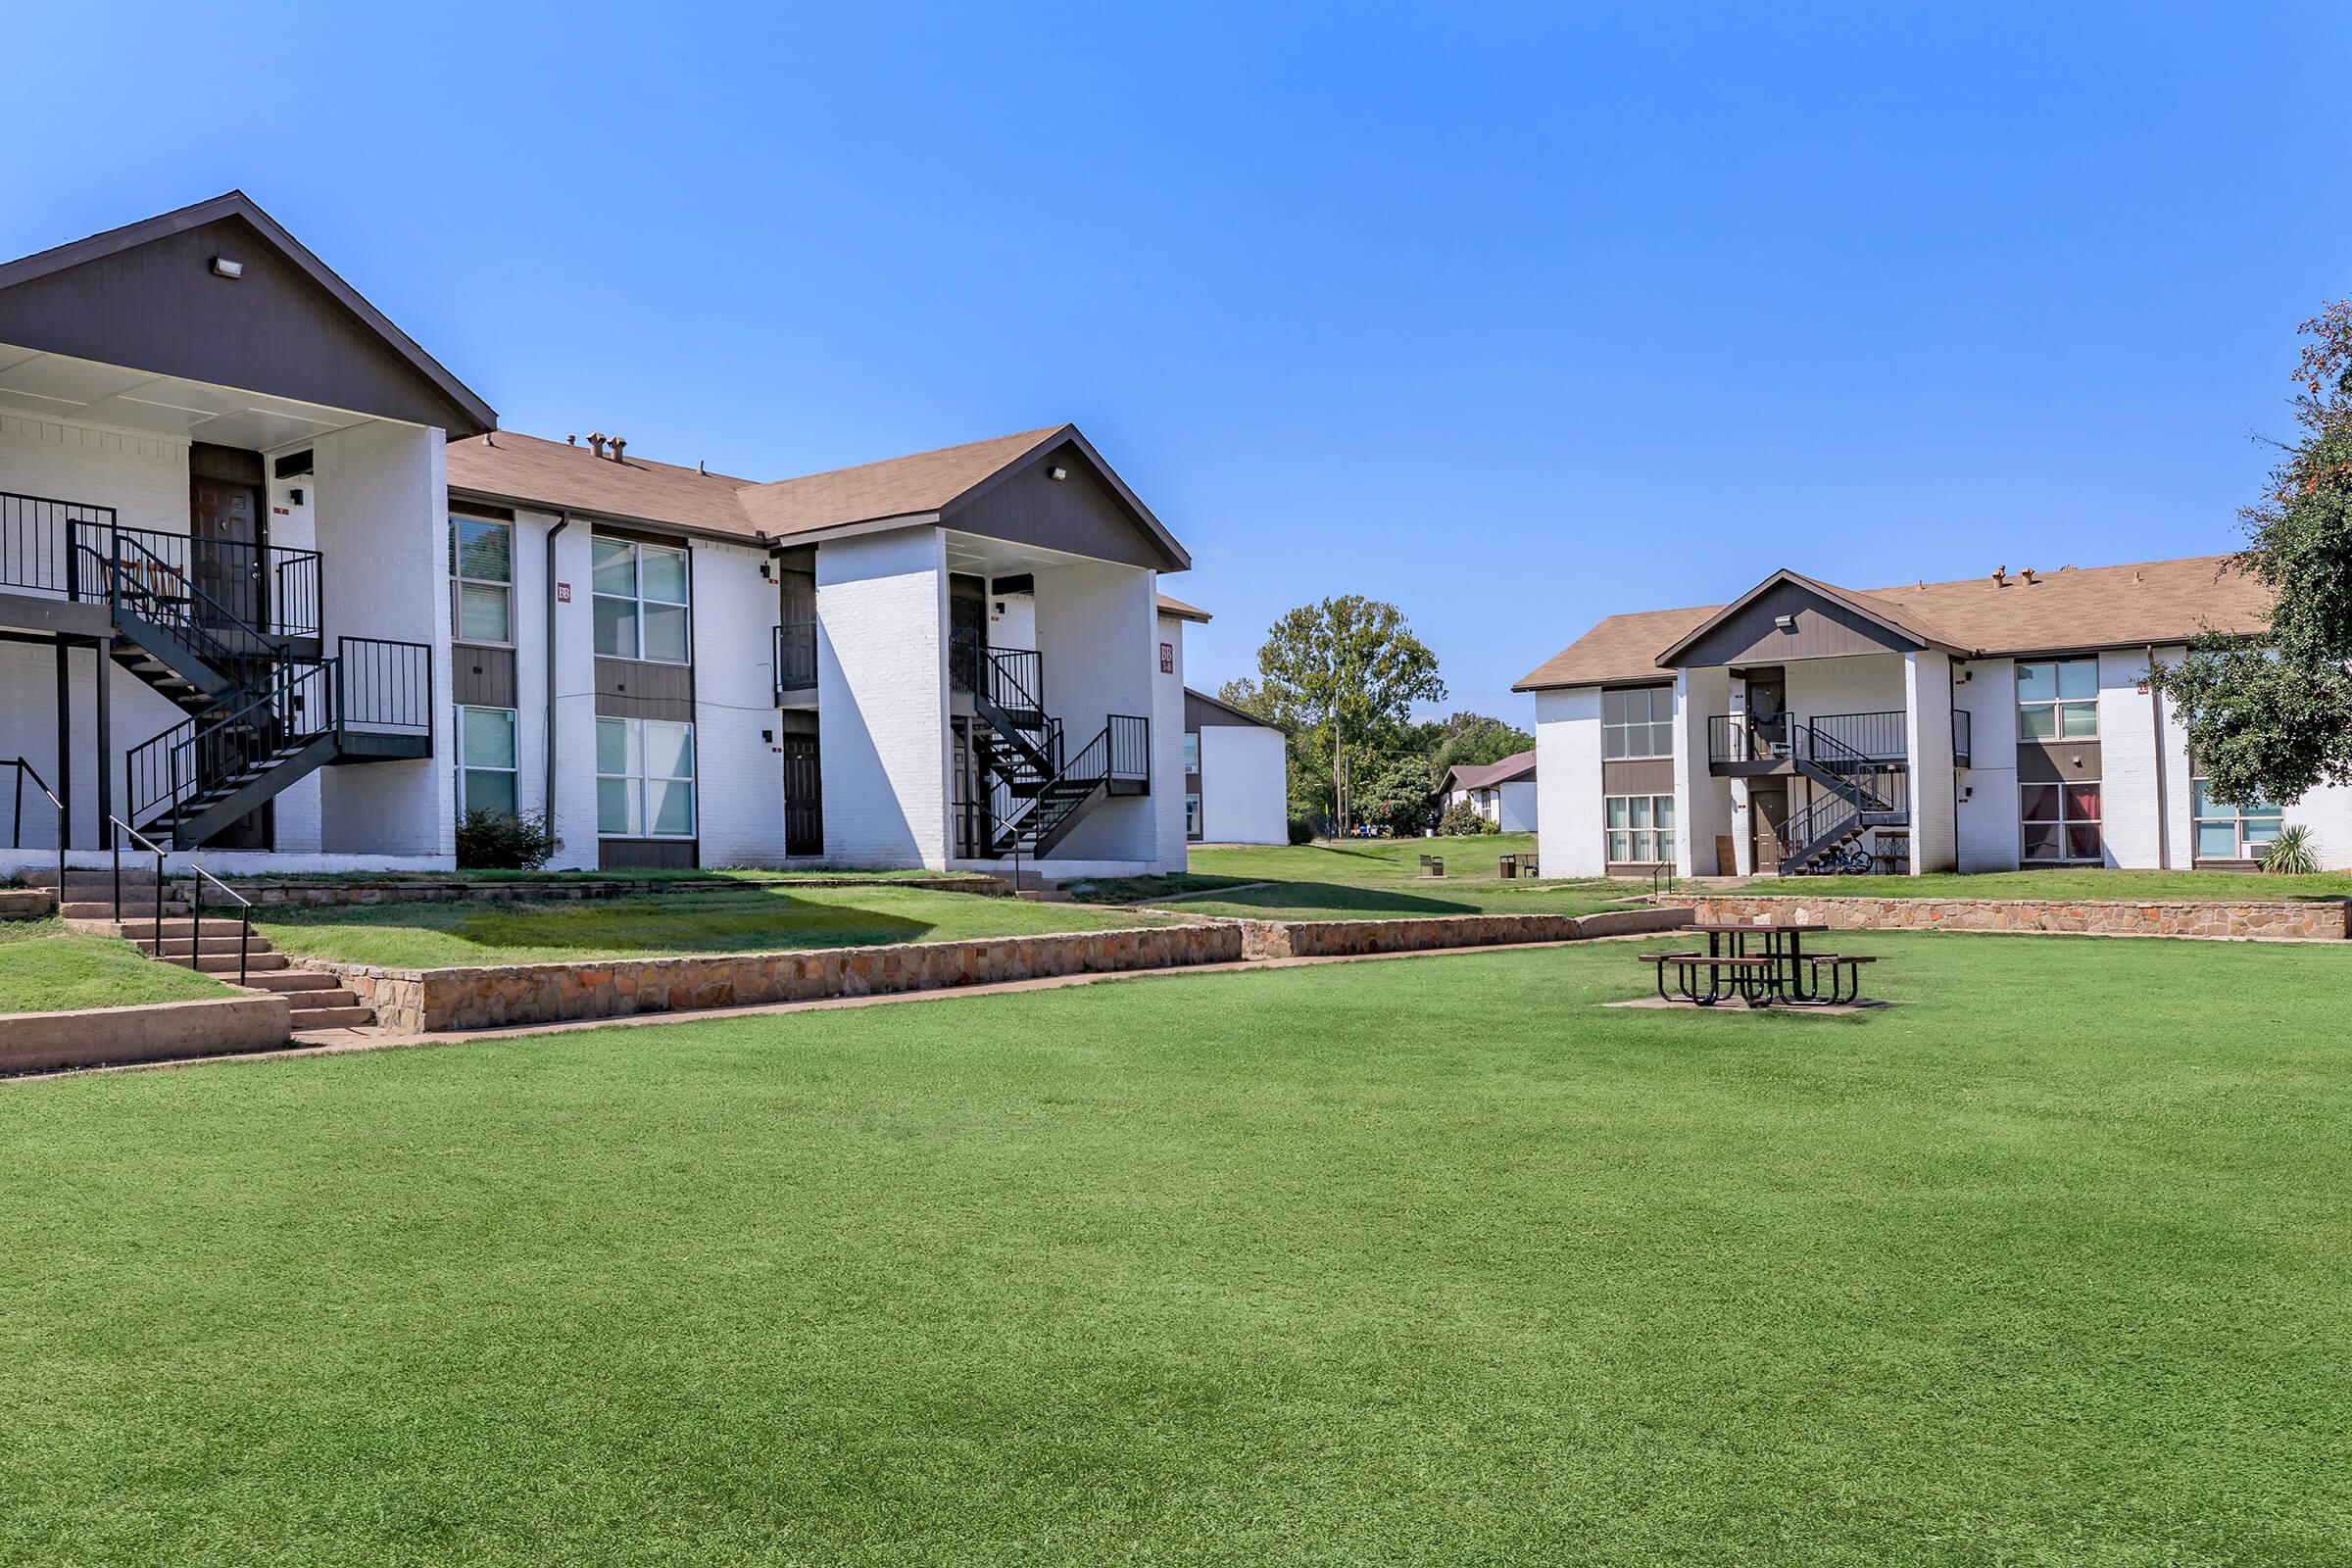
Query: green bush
{"x": 2292, "y": 852}
{"x": 1461, "y": 820}
{"x": 1301, "y": 830}
{"x": 495, "y": 841}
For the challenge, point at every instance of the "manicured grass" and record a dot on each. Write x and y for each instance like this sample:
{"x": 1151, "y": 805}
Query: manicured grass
{"x": 722, "y": 873}
{"x": 735, "y": 920}
{"x": 1424, "y": 1262}
{"x": 1358, "y": 879}
{"x": 46, "y": 966}
{"x": 1145, "y": 889}
{"x": 2078, "y": 883}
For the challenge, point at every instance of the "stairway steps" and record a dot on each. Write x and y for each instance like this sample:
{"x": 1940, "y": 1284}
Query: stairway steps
{"x": 295, "y": 980}
{"x": 181, "y": 947}
{"x": 174, "y": 926}
{"x": 227, "y": 962}
{"x": 132, "y": 910}
{"x": 308, "y": 1018}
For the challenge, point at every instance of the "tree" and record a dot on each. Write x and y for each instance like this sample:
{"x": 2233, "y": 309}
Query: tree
{"x": 1472, "y": 740}
{"x": 1345, "y": 673}
{"x": 2269, "y": 717}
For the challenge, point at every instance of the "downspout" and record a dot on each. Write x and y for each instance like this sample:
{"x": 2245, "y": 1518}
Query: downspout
{"x": 2164, "y": 846}
{"x": 548, "y": 588}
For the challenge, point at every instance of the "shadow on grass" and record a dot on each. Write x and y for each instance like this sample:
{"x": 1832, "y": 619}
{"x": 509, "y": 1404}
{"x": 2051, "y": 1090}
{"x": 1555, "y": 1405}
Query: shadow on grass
{"x": 747, "y": 921}
{"x": 1342, "y": 898}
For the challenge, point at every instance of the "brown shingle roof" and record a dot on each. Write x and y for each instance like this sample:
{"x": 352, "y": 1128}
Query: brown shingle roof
{"x": 524, "y": 468}
{"x": 1479, "y": 777}
{"x": 1170, "y": 605}
{"x": 895, "y": 487}
{"x": 2091, "y": 606}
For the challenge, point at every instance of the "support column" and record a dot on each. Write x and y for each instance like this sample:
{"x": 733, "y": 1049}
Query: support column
{"x": 106, "y": 746}
{"x": 65, "y": 747}
{"x": 1928, "y": 748}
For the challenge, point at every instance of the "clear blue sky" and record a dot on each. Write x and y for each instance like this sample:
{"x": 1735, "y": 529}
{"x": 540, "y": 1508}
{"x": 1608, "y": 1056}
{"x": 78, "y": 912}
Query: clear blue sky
{"x": 1513, "y": 317}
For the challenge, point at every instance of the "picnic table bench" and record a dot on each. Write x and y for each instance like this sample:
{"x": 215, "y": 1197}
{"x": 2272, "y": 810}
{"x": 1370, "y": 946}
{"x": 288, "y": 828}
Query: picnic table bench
{"x": 1517, "y": 866}
{"x": 1433, "y": 864}
{"x": 1783, "y": 972}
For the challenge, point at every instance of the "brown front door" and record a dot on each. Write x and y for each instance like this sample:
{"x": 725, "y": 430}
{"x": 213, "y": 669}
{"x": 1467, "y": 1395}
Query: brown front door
{"x": 804, "y": 797}
{"x": 1768, "y": 711}
{"x": 1767, "y": 812}
{"x": 228, "y": 530}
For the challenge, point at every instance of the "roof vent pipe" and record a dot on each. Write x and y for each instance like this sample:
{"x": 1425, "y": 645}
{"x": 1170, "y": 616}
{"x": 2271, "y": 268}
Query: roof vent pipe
{"x": 595, "y": 442}
{"x": 618, "y": 446}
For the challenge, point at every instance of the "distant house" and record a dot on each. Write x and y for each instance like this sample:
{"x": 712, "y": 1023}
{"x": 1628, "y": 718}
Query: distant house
{"x": 1237, "y": 774}
{"x": 1504, "y": 793}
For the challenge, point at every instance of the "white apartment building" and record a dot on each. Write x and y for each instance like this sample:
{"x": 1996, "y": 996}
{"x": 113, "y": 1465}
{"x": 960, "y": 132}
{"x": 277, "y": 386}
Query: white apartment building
{"x": 1985, "y": 725}
{"x": 273, "y": 587}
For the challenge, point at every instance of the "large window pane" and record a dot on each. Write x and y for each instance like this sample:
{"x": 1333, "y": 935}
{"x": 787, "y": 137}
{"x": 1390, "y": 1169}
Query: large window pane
{"x": 612, "y": 746}
{"x": 489, "y": 737}
{"x": 668, "y": 750}
{"x": 2201, "y": 804}
{"x": 2039, "y": 802}
{"x": 482, "y": 614}
{"x": 661, "y": 574}
{"x": 1644, "y": 848}
{"x": 1621, "y": 848}
{"x": 2217, "y": 840}
{"x": 1665, "y": 811}
{"x": 616, "y": 628}
{"x": 2083, "y": 841}
{"x": 1620, "y": 811}
{"x": 672, "y": 806}
{"x": 2082, "y": 803}
{"x": 2044, "y": 841}
{"x": 615, "y": 566}
{"x": 2081, "y": 721}
{"x": 483, "y": 550}
{"x": 2263, "y": 826}
{"x": 2079, "y": 677}
{"x": 2036, "y": 683}
{"x": 1665, "y": 845}
{"x": 2038, "y": 723}
{"x": 665, "y": 633}
{"x": 1640, "y": 807}
{"x": 490, "y": 792}
{"x": 617, "y": 807}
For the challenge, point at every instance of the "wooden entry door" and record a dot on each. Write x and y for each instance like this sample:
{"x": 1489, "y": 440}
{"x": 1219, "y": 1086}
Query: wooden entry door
{"x": 229, "y": 534}
{"x": 1768, "y": 713}
{"x": 1767, "y": 814}
{"x": 804, "y": 797}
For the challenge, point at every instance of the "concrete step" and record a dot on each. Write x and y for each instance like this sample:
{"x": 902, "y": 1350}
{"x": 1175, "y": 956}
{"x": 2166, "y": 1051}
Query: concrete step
{"x": 174, "y": 926}
{"x": 306, "y": 1019}
{"x": 298, "y": 981}
{"x": 181, "y": 947}
{"x": 21, "y": 903}
{"x": 322, "y": 1001}
{"x": 227, "y": 962}
{"x": 132, "y": 909}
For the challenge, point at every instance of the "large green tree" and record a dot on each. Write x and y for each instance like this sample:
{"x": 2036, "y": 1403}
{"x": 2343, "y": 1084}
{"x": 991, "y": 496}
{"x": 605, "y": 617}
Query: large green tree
{"x": 2271, "y": 717}
{"x": 1472, "y": 740}
{"x": 1345, "y": 674}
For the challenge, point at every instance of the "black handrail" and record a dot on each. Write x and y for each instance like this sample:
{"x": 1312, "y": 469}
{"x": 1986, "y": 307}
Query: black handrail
{"x": 196, "y": 921}
{"x": 1121, "y": 750}
{"x": 15, "y": 840}
{"x": 154, "y": 589}
{"x": 280, "y": 595}
{"x": 36, "y": 540}
{"x": 1877, "y": 737}
{"x": 795, "y": 658}
{"x": 299, "y": 703}
{"x": 1130, "y": 746}
{"x": 1016, "y": 679}
{"x": 1852, "y": 768}
{"x": 117, "y": 828}
{"x": 384, "y": 685}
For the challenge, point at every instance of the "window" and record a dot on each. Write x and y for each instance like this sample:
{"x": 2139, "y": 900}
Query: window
{"x": 2232, "y": 832}
{"x": 1191, "y": 816}
{"x": 2061, "y": 821}
{"x": 1641, "y": 829}
{"x": 482, "y": 570}
{"x": 1191, "y": 751}
{"x": 640, "y": 601}
{"x": 644, "y": 779}
{"x": 1638, "y": 724}
{"x": 2058, "y": 699}
{"x": 486, "y": 760}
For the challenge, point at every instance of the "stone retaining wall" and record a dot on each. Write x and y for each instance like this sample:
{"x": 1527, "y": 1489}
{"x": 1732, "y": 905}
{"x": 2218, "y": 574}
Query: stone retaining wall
{"x": 91, "y": 1037}
{"x": 406, "y": 890}
{"x": 1323, "y": 939}
{"x": 432, "y": 1000}
{"x": 2241, "y": 921}
{"x": 23, "y": 904}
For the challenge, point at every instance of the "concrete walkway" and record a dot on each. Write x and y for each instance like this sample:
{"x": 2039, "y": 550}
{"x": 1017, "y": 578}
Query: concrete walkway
{"x": 337, "y": 1041}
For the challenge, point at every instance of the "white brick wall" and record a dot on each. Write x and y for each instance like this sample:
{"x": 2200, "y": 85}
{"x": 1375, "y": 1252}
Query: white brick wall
{"x": 1244, "y": 785}
{"x": 1703, "y": 804}
{"x": 1094, "y": 621}
{"x": 1987, "y": 812}
{"x": 740, "y": 793}
{"x": 1928, "y": 738}
{"x": 1568, "y": 811}
{"x": 882, "y": 697}
{"x": 1167, "y": 748}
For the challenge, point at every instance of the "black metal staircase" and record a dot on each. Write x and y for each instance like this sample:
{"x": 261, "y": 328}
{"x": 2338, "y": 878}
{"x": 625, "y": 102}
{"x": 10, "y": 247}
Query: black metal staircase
{"x": 1032, "y": 793}
{"x": 1856, "y": 791}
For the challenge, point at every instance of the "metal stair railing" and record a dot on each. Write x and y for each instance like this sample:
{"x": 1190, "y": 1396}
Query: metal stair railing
{"x": 191, "y": 758}
{"x": 38, "y": 536}
{"x": 16, "y": 839}
{"x": 152, "y": 588}
{"x": 196, "y": 923}
{"x": 116, "y": 831}
{"x": 1120, "y": 751}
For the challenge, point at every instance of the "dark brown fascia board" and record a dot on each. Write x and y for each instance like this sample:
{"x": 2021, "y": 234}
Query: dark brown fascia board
{"x": 238, "y": 205}
{"x": 593, "y": 515}
{"x": 1178, "y": 558}
{"x": 1242, "y": 714}
{"x": 1196, "y": 617}
{"x": 1784, "y": 576}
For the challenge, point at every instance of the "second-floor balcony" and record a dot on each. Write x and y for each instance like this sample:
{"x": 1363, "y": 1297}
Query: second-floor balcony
{"x": 794, "y": 660}
{"x": 80, "y": 553}
{"x": 1738, "y": 744}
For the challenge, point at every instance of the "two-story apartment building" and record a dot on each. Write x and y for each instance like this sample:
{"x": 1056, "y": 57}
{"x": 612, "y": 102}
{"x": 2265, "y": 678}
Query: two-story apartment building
{"x": 1981, "y": 725}
{"x": 273, "y": 587}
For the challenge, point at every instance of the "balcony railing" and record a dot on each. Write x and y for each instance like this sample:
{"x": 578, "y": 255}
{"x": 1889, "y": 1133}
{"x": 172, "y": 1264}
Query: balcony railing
{"x": 72, "y": 549}
{"x": 795, "y": 658}
{"x": 1877, "y": 736}
{"x": 1962, "y": 749}
{"x": 1880, "y": 737}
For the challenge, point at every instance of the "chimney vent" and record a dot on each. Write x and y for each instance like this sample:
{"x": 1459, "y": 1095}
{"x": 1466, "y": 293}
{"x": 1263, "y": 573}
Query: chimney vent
{"x": 2027, "y": 574}
{"x": 595, "y": 442}
{"x": 571, "y": 440}
{"x": 2000, "y": 576}
{"x": 618, "y": 446}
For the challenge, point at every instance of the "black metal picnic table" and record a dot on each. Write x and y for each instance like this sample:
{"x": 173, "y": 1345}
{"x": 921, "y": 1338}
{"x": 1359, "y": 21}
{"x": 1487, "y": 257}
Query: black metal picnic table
{"x": 1780, "y": 972}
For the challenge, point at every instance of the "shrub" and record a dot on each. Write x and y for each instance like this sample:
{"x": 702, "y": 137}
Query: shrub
{"x": 1301, "y": 830}
{"x": 1461, "y": 820}
{"x": 2292, "y": 852}
{"x": 495, "y": 841}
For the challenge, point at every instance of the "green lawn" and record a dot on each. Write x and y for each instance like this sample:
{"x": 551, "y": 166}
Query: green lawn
{"x": 1356, "y": 879}
{"x": 722, "y": 873}
{"x": 2073, "y": 883}
{"x": 1410, "y": 1262}
{"x": 45, "y": 966}
{"x": 735, "y": 920}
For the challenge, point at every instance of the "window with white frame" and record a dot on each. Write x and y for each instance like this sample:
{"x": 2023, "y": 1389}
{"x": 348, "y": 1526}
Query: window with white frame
{"x": 2227, "y": 832}
{"x": 487, "y": 762}
{"x": 2060, "y": 822}
{"x": 482, "y": 580}
{"x": 1191, "y": 751}
{"x": 1191, "y": 816}
{"x": 1638, "y": 723}
{"x": 2058, "y": 699}
{"x": 644, "y": 779}
{"x": 1641, "y": 829}
{"x": 641, "y": 601}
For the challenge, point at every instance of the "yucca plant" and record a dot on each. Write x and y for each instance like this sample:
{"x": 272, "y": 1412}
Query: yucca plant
{"x": 2292, "y": 852}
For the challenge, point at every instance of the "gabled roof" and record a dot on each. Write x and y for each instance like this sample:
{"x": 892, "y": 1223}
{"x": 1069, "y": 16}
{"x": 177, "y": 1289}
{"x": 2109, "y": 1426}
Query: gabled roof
{"x": 531, "y": 471}
{"x": 1242, "y": 714}
{"x": 472, "y": 414}
{"x": 1170, "y": 605}
{"x": 1859, "y": 604}
{"x": 1486, "y": 775}
{"x": 2076, "y": 608}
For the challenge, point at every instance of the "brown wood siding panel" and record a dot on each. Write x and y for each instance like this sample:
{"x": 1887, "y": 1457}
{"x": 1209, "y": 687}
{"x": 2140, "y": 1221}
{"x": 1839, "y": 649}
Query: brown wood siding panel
{"x": 1079, "y": 514}
{"x": 627, "y": 689}
{"x": 158, "y": 307}
{"x": 1825, "y": 630}
{"x": 1200, "y": 716}
{"x": 2053, "y": 762}
{"x": 667, "y": 855}
{"x": 1649, "y": 775}
{"x": 484, "y": 677}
